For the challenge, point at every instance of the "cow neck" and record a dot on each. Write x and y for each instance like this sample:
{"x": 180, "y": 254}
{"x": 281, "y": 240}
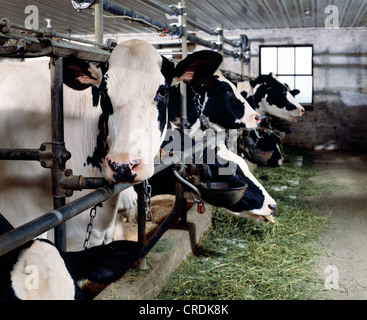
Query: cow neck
{"x": 101, "y": 95}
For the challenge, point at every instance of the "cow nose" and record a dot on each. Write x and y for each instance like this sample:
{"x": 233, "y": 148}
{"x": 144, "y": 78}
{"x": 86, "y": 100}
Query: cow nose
{"x": 273, "y": 208}
{"x": 123, "y": 172}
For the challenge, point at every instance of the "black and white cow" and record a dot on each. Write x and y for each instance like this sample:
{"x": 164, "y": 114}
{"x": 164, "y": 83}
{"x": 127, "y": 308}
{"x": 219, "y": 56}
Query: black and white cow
{"x": 113, "y": 131}
{"x": 269, "y": 96}
{"x": 275, "y": 100}
{"x": 213, "y": 102}
{"x": 38, "y": 271}
{"x": 115, "y": 138}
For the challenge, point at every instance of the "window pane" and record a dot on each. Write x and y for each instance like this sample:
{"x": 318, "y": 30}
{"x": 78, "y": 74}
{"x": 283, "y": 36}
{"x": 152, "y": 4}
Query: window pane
{"x": 304, "y": 60}
{"x": 289, "y": 80}
{"x": 285, "y": 60}
{"x": 268, "y": 60}
{"x": 304, "y": 84}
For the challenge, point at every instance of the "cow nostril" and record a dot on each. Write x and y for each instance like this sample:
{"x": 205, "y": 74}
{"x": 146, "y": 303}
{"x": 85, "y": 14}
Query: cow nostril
{"x": 123, "y": 172}
{"x": 273, "y": 208}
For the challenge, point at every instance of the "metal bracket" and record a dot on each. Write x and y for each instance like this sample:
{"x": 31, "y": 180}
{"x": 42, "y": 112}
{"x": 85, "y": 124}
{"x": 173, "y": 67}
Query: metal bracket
{"x": 46, "y": 155}
{"x": 13, "y": 46}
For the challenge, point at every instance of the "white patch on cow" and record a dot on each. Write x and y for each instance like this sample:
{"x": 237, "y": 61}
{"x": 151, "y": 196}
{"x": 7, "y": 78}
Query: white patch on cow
{"x": 224, "y": 153}
{"x": 40, "y": 274}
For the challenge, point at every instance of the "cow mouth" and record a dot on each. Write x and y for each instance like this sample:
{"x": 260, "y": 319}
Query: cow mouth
{"x": 266, "y": 219}
{"x": 124, "y": 172}
{"x": 294, "y": 119}
{"x": 269, "y": 218}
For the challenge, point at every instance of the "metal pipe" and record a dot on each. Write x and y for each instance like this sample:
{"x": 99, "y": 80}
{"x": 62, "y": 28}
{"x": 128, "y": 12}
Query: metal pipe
{"x": 20, "y": 154}
{"x": 57, "y": 129}
{"x": 163, "y": 27}
{"x": 15, "y": 238}
{"x": 137, "y": 18}
{"x": 98, "y": 21}
{"x": 191, "y": 22}
{"x": 52, "y": 33}
{"x": 183, "y": 86}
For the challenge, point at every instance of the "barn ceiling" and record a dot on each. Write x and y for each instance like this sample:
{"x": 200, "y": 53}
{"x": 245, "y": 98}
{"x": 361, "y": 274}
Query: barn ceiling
{"x": 233, "y": 14}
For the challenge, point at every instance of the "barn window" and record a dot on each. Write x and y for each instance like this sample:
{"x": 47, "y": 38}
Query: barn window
{"x": 293, "y": 66}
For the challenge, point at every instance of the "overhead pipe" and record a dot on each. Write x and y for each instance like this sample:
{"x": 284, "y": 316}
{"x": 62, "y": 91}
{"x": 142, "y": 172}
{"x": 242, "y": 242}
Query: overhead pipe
{"x": 172, "y": 12}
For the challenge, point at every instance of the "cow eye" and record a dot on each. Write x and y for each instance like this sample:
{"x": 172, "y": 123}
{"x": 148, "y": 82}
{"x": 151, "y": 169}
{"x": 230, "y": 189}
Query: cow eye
{"x": 161, "y": 93}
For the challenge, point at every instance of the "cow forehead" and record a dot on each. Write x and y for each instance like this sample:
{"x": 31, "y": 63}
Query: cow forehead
{"x": 134, "y": 73}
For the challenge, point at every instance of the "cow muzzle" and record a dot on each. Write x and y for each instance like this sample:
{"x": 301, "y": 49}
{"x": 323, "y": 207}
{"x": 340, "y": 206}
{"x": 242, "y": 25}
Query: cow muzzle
{"x": 124, "y": 172}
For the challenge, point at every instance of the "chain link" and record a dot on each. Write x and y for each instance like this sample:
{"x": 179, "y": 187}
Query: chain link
{"x": 92, "y": 215}
{"x": 148, "y": 201}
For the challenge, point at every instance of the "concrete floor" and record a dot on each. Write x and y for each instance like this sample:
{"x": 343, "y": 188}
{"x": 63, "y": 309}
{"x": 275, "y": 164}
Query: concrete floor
{"x": 343, "y": 242}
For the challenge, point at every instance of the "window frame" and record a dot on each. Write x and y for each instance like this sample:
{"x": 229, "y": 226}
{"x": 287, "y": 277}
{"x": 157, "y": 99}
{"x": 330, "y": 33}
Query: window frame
{"x": 308, "y": 106}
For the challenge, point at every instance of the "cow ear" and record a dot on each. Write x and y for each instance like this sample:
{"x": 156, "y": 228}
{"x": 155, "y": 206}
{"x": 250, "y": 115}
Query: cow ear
{"x": 272, "y": 75}
{"x": 198, "y": 65}
{"x": 80, "y": 75}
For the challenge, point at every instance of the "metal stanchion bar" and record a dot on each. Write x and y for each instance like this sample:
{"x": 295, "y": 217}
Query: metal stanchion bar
{"x": 58, "y": 145}
{"x": 51, "y": 33}
{"x": 35, "y": 47}
{"x": 18, "y": 236}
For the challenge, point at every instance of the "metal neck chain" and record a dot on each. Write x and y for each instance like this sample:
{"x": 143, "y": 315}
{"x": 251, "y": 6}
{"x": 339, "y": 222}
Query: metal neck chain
{"x": 148, "y": 201}
{"x": 205, "y": 123}
{"x": 92, "y": 215}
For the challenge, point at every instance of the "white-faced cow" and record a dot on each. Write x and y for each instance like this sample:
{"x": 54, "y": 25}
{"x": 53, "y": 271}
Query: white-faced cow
{"x": 38, "y": 271}
{"x": 115, "y": 138}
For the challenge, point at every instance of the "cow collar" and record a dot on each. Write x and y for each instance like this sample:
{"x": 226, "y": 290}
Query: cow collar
{"x": 204, "y": 120}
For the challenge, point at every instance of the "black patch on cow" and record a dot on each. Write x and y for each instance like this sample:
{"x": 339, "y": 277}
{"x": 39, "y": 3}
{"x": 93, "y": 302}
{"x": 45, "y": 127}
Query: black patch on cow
{"x": 162, "y": 102}
{"x": 221, "y": 106}
{"x": 221, "y": 94}
{"x": 167, "y": 70}
{"x": 102, "y": 146}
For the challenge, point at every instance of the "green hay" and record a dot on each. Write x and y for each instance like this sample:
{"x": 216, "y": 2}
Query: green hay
{"x": 245, "y": 260}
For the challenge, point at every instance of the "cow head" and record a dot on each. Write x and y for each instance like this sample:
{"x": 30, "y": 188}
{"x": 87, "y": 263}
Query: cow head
{"x": 61, "y": 275}
{"x": 132, "y": 92}
{"x": 211, "y": 94}
{"x": 272, "y": 97}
